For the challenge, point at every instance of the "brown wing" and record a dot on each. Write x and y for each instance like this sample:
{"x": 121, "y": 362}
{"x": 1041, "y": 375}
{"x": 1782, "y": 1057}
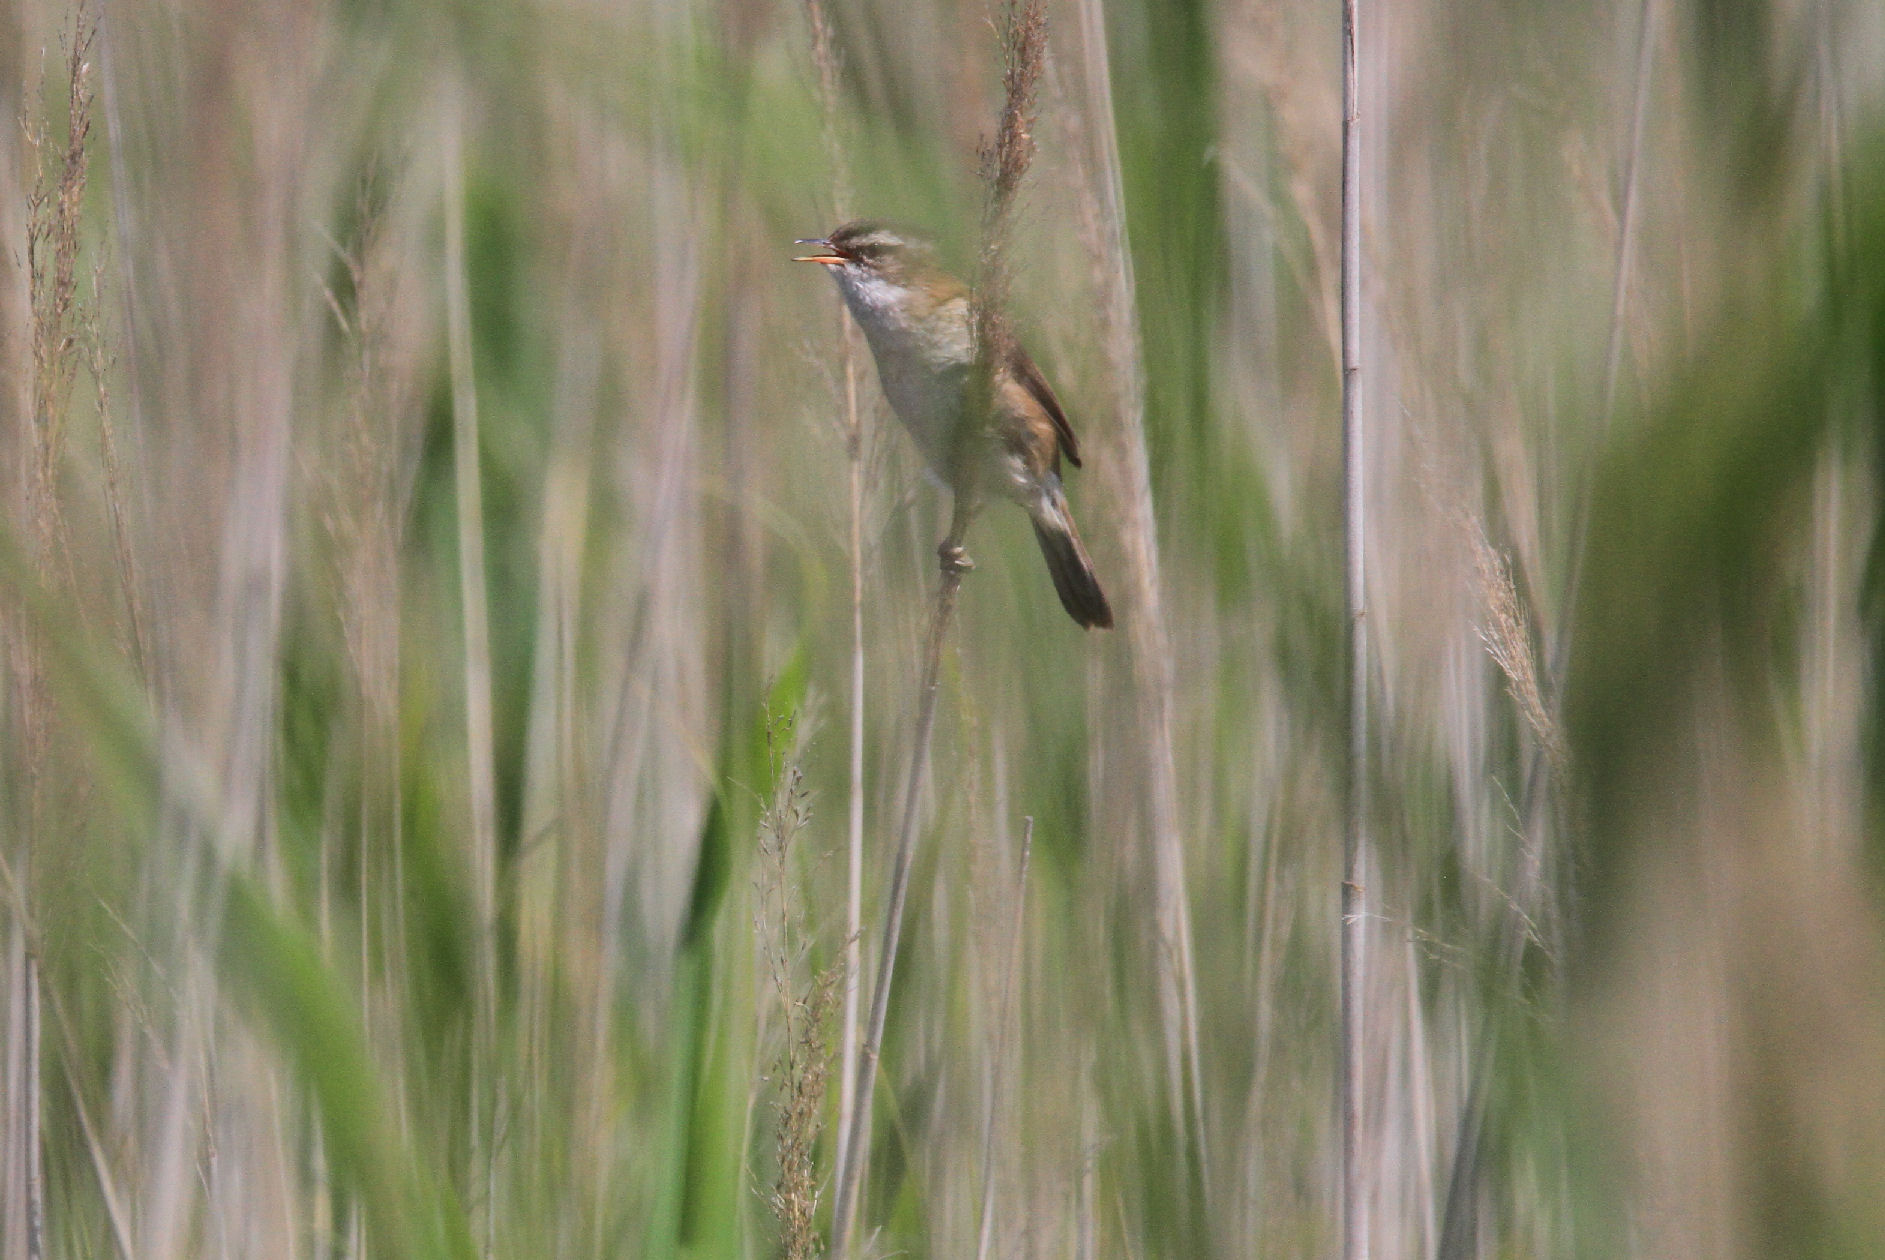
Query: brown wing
{"x": 1036, "y": 384}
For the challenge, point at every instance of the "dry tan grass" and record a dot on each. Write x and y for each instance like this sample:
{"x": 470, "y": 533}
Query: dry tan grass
{"x": 61, "y": 324}
{"x": 564, "y": 1024}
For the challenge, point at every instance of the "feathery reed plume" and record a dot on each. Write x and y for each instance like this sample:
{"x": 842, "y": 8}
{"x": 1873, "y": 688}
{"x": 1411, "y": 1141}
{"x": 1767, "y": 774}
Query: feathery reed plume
{"x": 828, "y": 64}
{"x": 803, "y": 1061}
{"x": 57, "y": 319}
{"x": 1004, "y": 165}
{"x": 365, "y": 480}
{"x": 52, "y": 252}
{"x": 1506, "y": 634}
{"x": 803, "y": 1067}
{"x": 365, "y": 485}
{"x": 1507, "y": 638}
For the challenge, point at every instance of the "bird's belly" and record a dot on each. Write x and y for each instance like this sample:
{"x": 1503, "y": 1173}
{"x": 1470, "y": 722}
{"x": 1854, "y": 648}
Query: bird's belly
{"x": 929, "y": 402}
{"x": 926, "y": 386}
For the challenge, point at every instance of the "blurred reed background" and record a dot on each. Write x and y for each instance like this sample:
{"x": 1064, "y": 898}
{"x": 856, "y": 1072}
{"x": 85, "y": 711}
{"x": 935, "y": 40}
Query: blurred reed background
{"x": 428, "y": 629}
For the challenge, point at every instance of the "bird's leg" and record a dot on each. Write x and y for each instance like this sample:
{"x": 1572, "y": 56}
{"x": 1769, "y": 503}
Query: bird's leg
{"x": 951, "y": 555}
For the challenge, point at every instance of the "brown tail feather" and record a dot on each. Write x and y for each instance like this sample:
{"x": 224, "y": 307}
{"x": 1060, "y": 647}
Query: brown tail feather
{"x": 1072, "y": 570}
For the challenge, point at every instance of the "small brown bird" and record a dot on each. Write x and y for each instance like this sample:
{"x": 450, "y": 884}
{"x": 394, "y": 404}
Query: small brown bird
{"x": 916, "y": 317}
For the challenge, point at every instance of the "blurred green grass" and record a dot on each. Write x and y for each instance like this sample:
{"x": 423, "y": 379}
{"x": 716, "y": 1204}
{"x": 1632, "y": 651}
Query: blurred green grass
{"x": 273, "y": 1022}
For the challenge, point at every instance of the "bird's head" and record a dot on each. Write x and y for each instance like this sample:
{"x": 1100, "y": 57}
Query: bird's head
{"x": 864, "y": 251}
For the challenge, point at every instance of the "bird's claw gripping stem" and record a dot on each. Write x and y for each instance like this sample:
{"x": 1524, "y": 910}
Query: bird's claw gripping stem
{"x": 954, "y": 559}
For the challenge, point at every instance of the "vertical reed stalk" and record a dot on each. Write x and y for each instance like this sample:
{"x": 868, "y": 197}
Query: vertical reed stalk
{"x": 1147, "y": 630}
{"x": 137, "y": 636}
{"x": 1355, "y": 1189}
{"x": 94, "y": 1146}
{"x": 1559, "y": 648}
{"x": 479, "y": 738}
{"x": 33, "y": 1138}
{"x": 987, "y": 1235}
{"x": 478, "y": 719}
{"x": 101, "y": 357}
{"x": 854, "y": 841}
{"x": 857, "y": 1145}
{"x": 1626, "y": 242}
{"x": 825, "y": 60}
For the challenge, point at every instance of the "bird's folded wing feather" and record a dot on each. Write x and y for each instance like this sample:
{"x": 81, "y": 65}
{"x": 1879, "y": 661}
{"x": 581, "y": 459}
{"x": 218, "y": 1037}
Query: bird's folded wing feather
{"x": 1043, "y": 393}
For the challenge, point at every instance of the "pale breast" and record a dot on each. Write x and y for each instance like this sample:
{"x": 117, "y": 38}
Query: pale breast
{"x": 921, "y": 361}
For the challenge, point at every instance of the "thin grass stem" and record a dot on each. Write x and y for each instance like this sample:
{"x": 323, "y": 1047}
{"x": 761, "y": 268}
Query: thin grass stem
{"x": 843, "y": 1209}
{"x": 1355, "y": 1187}
{"x": 32, "y": 1140}
{"x": 825, "y": 61}
{"x": 986, "y": 1236}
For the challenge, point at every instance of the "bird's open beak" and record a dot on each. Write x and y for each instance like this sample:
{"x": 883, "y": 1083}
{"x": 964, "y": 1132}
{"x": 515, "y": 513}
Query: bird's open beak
{"x": 829, "y": 257}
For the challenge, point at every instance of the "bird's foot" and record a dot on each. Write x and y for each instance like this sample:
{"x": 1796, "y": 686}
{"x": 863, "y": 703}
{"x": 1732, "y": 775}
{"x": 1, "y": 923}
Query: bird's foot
{"x": 954, "y": 559}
